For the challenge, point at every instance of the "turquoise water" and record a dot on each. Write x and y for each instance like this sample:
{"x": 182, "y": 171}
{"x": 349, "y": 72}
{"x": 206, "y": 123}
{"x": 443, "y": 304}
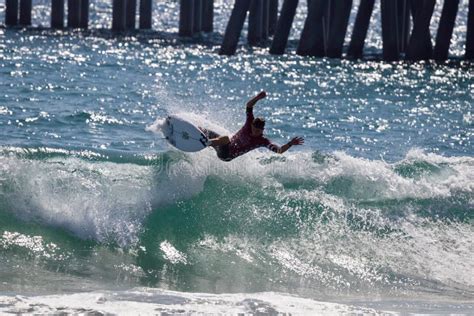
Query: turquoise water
{"x": 378, "y": 202}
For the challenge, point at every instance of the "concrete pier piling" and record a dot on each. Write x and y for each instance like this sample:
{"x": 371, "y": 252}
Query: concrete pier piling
{"x": 11, "y": 12}
{"x": 196, "y": 16}
{"x": 208, "y": 16}
{"x": 338, "y": 26}
{"x": 57, "y": 14}
{"x": 234, "y": 27}
{"x": 84, "y": 21}
{"x": 265, "y": 19}
{"x": 25, "y": 12}
{"x": 119, "y": 17}
{"x": 145, "y": 14}
{"x": 420, "y": 46}
{"x": 445, "y": 29}
{"x": 285, "y": 20}
{"x": 273, "y": 16}
{"x": 416, "y": 9}
{"x": 197, "y": 25}
{"x": 131, "y": 14}
{"x": 403, "y": 15}
{"x": 312, "y": 37}
{"x": 73, "y": 13}
{"x": 254, "y": 35}
{"x": 390, "y": 33}
{"x": 18, "y": 12}
{"x": 327, "y": 16}
{"x": 186, "y": 18}
{"x": 361, "y": 27}
{"x": 470, "y": 32}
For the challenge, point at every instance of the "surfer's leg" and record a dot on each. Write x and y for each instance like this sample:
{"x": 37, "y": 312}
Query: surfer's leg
{"x": 214, "y": 138}
{"x": 219, "y": 141}
{"x": 223, "y": 152}
{"x": 221, "y": 144}
{"x": 209, "y": 134}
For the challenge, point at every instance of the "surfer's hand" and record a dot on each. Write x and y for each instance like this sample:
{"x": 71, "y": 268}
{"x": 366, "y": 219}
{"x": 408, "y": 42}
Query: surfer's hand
{"x": 261, "y": 95}
{"x": 256, "y": 98}
{"x": 297, "y": 141}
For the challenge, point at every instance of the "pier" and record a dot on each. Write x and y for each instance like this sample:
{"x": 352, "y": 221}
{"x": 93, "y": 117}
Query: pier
{"x": 405, "y": 24}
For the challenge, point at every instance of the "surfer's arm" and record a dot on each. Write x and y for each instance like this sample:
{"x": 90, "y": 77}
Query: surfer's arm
{"x": 282, "y": 149}
{"x": 251, "y": 103}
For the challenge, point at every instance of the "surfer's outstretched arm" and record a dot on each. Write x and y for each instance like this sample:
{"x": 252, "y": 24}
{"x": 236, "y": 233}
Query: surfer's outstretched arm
{"x": 255, "y": 99}
{"x": 294, "y": 141}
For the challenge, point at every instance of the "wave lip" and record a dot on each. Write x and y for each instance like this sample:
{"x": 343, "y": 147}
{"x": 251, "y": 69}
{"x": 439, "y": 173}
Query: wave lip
{"x": 88, "y": 194}
{"x": 103, "y": 201}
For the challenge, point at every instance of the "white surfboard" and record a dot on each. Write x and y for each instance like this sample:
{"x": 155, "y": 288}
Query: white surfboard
{"x": 183, "y": 135}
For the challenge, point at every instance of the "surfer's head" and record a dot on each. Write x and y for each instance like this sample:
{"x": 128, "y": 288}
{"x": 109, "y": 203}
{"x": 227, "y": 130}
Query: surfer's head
{"x": 258, "y": 125}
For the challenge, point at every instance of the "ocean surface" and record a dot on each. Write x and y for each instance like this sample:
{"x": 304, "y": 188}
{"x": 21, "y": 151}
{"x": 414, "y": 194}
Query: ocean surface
{"x": 374, "y": 214}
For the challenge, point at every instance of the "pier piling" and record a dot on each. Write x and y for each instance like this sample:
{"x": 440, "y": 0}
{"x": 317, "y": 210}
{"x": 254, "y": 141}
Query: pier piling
{"x": 312, "y": 37}
{"x": 445, "y": 29}
{"x": 338, "y": 26}
{"x": 285, "y": 20}
{"x": 84, "y": 17}
{"x": 420, "y": 46}
{"x": 254, "y": 35}
{"x": 196, "y": 16}
{"x": 208, "y": 16}
{"x": 390, "y": 39}
{"x": 265, "y": 19}
{"x": 57, "y": 14}
{"x": 11, "y": 12}
{"x": 131, "y": 14}
{"x": 119, "y": 17}
{"x": 273, "y": 16}
{"x": 403, "y": 15}
{"x": 73, "y": 13}
{"x": 25, "y": 12}
{"x": 327, "y": 16}
{"x": 361, "y": 27}
{"x": 470, "y": 32}
{"x": 198, "y": 9}
{"x": 186, "y": 18}
{"x": 234, "y": 27}
{"x": 145, "y": 14}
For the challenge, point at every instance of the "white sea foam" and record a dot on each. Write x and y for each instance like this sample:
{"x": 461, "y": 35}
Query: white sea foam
{"x": 145, "y": 301}
{"x": 172, "y": 254}
{"x": 102, "y": 201}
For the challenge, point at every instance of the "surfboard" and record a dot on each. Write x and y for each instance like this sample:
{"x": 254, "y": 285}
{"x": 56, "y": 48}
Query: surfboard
{"x": 183, "y": 135}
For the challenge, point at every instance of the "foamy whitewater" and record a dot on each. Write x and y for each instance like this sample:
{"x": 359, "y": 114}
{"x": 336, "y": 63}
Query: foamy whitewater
{"x": 98, "y": 214}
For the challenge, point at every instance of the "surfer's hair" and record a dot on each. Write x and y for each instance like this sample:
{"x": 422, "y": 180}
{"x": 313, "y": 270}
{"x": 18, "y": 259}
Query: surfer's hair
{"x": 259, "y": 123}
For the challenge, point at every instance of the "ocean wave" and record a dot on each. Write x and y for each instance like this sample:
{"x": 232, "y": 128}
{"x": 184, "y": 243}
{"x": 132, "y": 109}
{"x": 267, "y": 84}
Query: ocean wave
{"x": 333, "y": 220}
{"x": 55, "y": 184}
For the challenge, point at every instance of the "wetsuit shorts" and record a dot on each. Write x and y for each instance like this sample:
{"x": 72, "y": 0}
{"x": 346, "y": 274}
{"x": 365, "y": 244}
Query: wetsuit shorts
{"x": 223, "y": 151}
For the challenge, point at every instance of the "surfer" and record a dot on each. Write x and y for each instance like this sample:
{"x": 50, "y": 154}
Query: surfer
{"x": 248, "y": 138}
